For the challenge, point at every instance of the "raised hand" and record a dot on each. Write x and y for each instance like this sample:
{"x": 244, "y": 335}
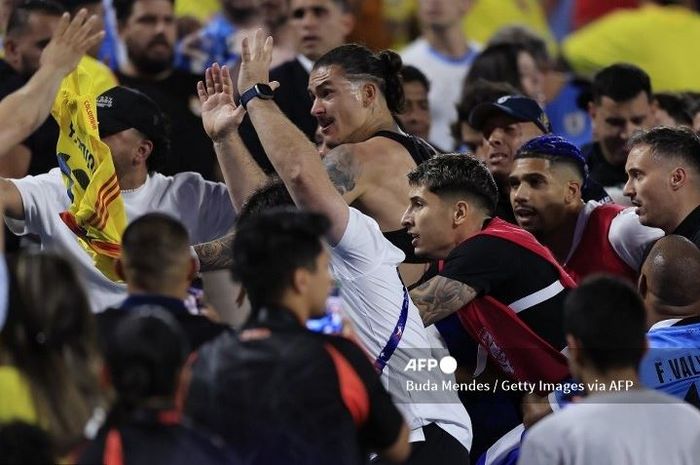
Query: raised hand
{"x": 256, "y": 55}
{"x": 220, "y": 114}
{"x": 70, "y": 42}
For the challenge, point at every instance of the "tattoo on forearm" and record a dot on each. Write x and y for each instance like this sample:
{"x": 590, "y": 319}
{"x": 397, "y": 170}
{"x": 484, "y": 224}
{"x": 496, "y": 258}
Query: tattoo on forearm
{"x": 342, "y": 168}
{"x": 439, "y": 297}
{"x": 216, "y": 254}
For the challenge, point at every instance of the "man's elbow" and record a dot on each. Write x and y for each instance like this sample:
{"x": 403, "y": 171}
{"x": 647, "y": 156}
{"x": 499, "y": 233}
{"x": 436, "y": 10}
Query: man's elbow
{"x": 399, "y": 451}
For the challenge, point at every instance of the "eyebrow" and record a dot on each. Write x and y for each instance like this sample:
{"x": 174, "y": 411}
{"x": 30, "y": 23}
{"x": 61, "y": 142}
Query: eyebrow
{"x": 321, "y": 86}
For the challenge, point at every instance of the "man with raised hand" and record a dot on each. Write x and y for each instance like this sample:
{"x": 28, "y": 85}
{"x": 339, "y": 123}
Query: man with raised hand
{"x": 30, "y": 105}
{"x": 362, "y": 260}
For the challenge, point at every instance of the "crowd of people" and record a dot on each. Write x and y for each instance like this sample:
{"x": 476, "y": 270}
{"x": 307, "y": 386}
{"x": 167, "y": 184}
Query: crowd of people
{"x": 464, "y": 252}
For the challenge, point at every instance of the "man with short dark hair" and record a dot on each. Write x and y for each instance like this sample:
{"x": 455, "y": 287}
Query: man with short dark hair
{"x": 605, "y": 332}
{"x": 546, "y": 187}
{"x": 493, "y": 291}
{"x": 664, "y": 180}
{"x": 134, "y": 128}
{"x": 621, "y": 106}
{"x": 147, "y": 29}
{"x": 279, "y": 383}
{"x": 158, "y": 267}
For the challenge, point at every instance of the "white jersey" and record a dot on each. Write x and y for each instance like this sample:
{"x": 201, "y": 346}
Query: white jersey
{"x": 364, "y": 264}
{"x": 446, "y": 76}
{"x": 641, "y": 427}
{"x": 204, "y": 207}
{"x": 627, "y": 236}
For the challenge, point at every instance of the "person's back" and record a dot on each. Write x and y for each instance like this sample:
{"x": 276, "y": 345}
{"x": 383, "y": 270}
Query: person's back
{"x": 619, "y": 421}
{"x": 283, "y": 388}
{"x": 636, "y": 428}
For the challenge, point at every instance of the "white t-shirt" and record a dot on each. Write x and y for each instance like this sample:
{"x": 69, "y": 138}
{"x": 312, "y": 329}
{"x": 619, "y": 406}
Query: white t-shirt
{"x": 364, "y": 265}
{"x": 627, "y": 236}
{"x": 641, "y": 427}
{"x": 446, "y": 76}
{"x": 204, "y": 207}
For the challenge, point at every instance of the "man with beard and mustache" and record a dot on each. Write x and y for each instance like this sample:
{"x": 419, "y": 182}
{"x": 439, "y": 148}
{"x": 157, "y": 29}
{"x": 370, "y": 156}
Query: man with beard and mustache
{"x": 147, "y": 28}
{"x": 621, "y": 106}
{"x": 546, "y": 182}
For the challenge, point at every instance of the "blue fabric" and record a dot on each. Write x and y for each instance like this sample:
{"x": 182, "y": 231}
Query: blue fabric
{"x": 672, "y": 364}
{"x": 567, "y": 119}
{"x": 216, "y": 44}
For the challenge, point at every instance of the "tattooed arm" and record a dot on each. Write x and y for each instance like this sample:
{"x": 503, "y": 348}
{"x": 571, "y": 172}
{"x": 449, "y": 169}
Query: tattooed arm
{"x": 345, "y": 172}
{"x": 440, "y": 297}
{"x": 216, "y": 254}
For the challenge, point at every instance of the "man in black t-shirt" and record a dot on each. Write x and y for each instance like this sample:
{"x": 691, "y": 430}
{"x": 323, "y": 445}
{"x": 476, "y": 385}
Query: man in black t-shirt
{"x": 494, "y": 293}
{"x": 147, "y": 28}
{"x": 663, "y": 167}
{"x": 316, "y": 398}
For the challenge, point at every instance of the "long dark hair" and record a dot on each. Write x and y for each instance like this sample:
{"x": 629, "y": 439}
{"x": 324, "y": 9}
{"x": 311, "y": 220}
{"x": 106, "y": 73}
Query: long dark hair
{"x": 384, "y": 68}
{"x": 50, "y": 338}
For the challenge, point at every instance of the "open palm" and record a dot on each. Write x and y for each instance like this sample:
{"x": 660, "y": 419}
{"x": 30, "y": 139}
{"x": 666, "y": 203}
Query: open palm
{"x": 220, "y": 114}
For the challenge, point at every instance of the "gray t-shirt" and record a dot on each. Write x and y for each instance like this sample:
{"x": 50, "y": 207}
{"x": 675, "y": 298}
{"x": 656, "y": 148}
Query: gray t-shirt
{"x": 638, "y": 427}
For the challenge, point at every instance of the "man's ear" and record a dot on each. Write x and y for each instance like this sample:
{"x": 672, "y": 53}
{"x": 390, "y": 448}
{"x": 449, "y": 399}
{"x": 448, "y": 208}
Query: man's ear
{"x": 592, "y": 109}
{"x": 369, "y": 93}
{"x": 300, "y": 280}
{"x": 575, "y": 350}
{"x": 643, "y": 285}
{"x": 144, "y": 150}
{"x": 462, "y": 210}
{"x": 10, "y": 48}
{"x": 573, "y": 192}
{"x": 678, "y": 178}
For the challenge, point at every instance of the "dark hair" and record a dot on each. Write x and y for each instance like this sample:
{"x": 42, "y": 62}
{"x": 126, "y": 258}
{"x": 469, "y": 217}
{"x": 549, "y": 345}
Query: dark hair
{"x": 19, "y": 17}
{"x": 155, "y": 248}
{"x": 412, "y": 74}
{"x": 476, "y": 93}
{"x": 270, "y": 246}
{"x": 50, "y": 337}
{"x": 620, "y": 82}
{"x": 457, "y": 174}
{"x": 691, "y": 100}
{"x": 607, "y": 315}
{"x": 123, "y": 8}
{"x": 524, "y": 37}
{"x": 145, "y": 356}
{"x": 22, "y": 443}
{"x": 556, "y": 149}
{"x": 359, "y": 63}
{"x": 273, "y": 194}
{"x": 675, "y": 106}
{"x": 497, "y": 63}
{"x": 667, "y": 142}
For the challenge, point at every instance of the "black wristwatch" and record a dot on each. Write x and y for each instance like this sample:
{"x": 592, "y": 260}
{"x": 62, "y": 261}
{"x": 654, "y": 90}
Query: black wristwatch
{"x": 263, "y": 91}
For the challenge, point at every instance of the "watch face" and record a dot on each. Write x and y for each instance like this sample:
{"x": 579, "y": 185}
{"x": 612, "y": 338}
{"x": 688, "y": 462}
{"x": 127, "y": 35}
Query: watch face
{"x": 264, "y": 91}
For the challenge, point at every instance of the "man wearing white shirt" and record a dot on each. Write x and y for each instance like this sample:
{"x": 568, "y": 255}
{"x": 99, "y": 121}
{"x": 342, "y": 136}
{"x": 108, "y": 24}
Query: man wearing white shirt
{"x": 444, "y": 55}
{"x": 133, "y": 127}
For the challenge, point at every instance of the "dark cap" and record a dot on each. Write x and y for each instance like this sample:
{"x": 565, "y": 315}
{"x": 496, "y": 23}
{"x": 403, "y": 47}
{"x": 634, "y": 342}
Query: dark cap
{"x": 522, "y": 109}
{"x": 122, "y": 108}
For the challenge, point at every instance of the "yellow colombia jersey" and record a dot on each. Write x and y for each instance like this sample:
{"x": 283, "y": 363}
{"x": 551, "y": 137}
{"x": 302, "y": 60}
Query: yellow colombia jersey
{"x": 103, "y": 78}
{"x": 661, "y": 40}
{"x": 96, "y": 214}
{"x": 486, "y": 17}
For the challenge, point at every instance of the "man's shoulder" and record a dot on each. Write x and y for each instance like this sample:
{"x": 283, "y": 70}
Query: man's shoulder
{"x": 288, "y": 68}
{"x": 415, "y": 50}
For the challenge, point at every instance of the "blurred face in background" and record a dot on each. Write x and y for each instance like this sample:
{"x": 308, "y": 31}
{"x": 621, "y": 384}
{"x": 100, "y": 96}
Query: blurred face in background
{"x": 23, "y": 48}
{"x": 441, "y": 14}
{"x": 149, "y": 35}
{"x": 320, "y": 26}
{"x": 615, "y": 122}
{"x": 416, "y": 115}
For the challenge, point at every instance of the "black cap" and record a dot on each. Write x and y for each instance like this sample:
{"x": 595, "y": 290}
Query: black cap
{"x": 122, "y": 108}
{"x": 522, "y": 109}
